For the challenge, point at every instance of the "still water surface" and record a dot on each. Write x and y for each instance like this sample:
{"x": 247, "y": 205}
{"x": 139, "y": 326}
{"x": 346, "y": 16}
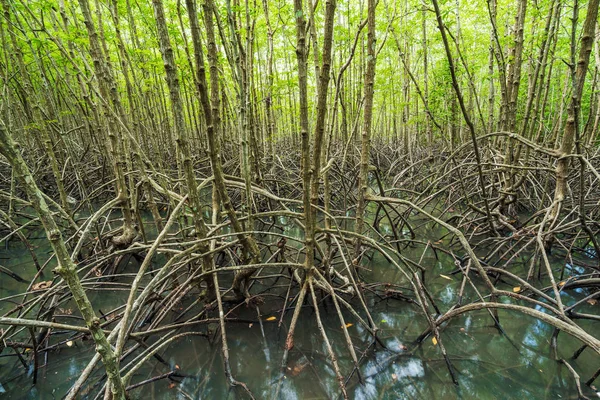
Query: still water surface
{"x": 488, "y": 365}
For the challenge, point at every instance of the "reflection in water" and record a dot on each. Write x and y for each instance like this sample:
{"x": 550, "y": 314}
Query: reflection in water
{"x": 489, "y": 366}
{"x": 413, "y": 368}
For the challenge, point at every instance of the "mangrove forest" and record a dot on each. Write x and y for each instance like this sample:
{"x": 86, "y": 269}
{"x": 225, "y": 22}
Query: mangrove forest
{"x": 307, "y": 199}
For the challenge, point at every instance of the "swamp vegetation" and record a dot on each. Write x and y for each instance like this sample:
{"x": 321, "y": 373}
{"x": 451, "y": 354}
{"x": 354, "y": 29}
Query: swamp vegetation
{"x": 310, "y": 199}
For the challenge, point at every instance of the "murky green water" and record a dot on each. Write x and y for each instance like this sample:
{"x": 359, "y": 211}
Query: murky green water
{"x": 488, "y": 365}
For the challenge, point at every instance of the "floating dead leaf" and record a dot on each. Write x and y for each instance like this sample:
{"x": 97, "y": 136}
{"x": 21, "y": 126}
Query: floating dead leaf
{"x": 171, "y": 385}
{"x": 70, "y": 343}
{"x": 271, "y": 319}
{"x": 42, "y": 285}
{"x": 434, "y": 341}
{"x": 561, "y": 283}
{"x": 445, "y": 277}
{"x": 592, "y": 302}
{"x": 349, "y": 324}
{"x": 394, "y": 376}
{"x": 517, "y": 289}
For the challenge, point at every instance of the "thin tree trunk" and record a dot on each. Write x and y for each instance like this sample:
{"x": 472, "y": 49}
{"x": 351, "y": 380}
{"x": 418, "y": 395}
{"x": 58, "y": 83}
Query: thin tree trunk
{"x": 301, "y": 57}
{"x": 240, "y": 284}
{"x": 269, "y": 90}
{"x": 182, "y": 137}
{"x": 108, "y": 92}
{"x": 66, "y": 267}
{"x": 363, "y": 177}
{"x": 318, "y": 148}
{"x": 465, "y": 114}
{"x": 571, "y": 128}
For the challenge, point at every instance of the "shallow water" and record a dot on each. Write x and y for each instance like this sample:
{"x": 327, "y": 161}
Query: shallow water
{"x": 488, "y": 364}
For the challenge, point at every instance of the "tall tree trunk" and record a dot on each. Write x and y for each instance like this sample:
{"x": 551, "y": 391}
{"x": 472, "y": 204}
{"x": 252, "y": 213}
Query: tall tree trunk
{"x": 363, "y": 177}
{"x": 182, "y": 137}
{"x": 109, "y": 93}
{"x": 269, "y": 90}
{"x": 301, "y": 57}
{"x": 322, "y": 90}
{"x": 240, "y": 284}
{"x": 428, "y": 130}
{"x": 466, "y": 116}
{"x": 513, "y": 78}
{"x": 32, "y": 112}
{"x": 571, "y": 128}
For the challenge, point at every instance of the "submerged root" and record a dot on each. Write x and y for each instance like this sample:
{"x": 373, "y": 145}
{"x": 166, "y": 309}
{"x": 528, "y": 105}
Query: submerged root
{"x": 215, "y": 281}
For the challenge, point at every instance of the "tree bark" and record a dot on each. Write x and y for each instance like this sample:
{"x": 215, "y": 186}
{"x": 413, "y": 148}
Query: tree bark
{"x": 568, "y": 141}
{"x": 363, "y": 177}
{"x": 66, "y": 268}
